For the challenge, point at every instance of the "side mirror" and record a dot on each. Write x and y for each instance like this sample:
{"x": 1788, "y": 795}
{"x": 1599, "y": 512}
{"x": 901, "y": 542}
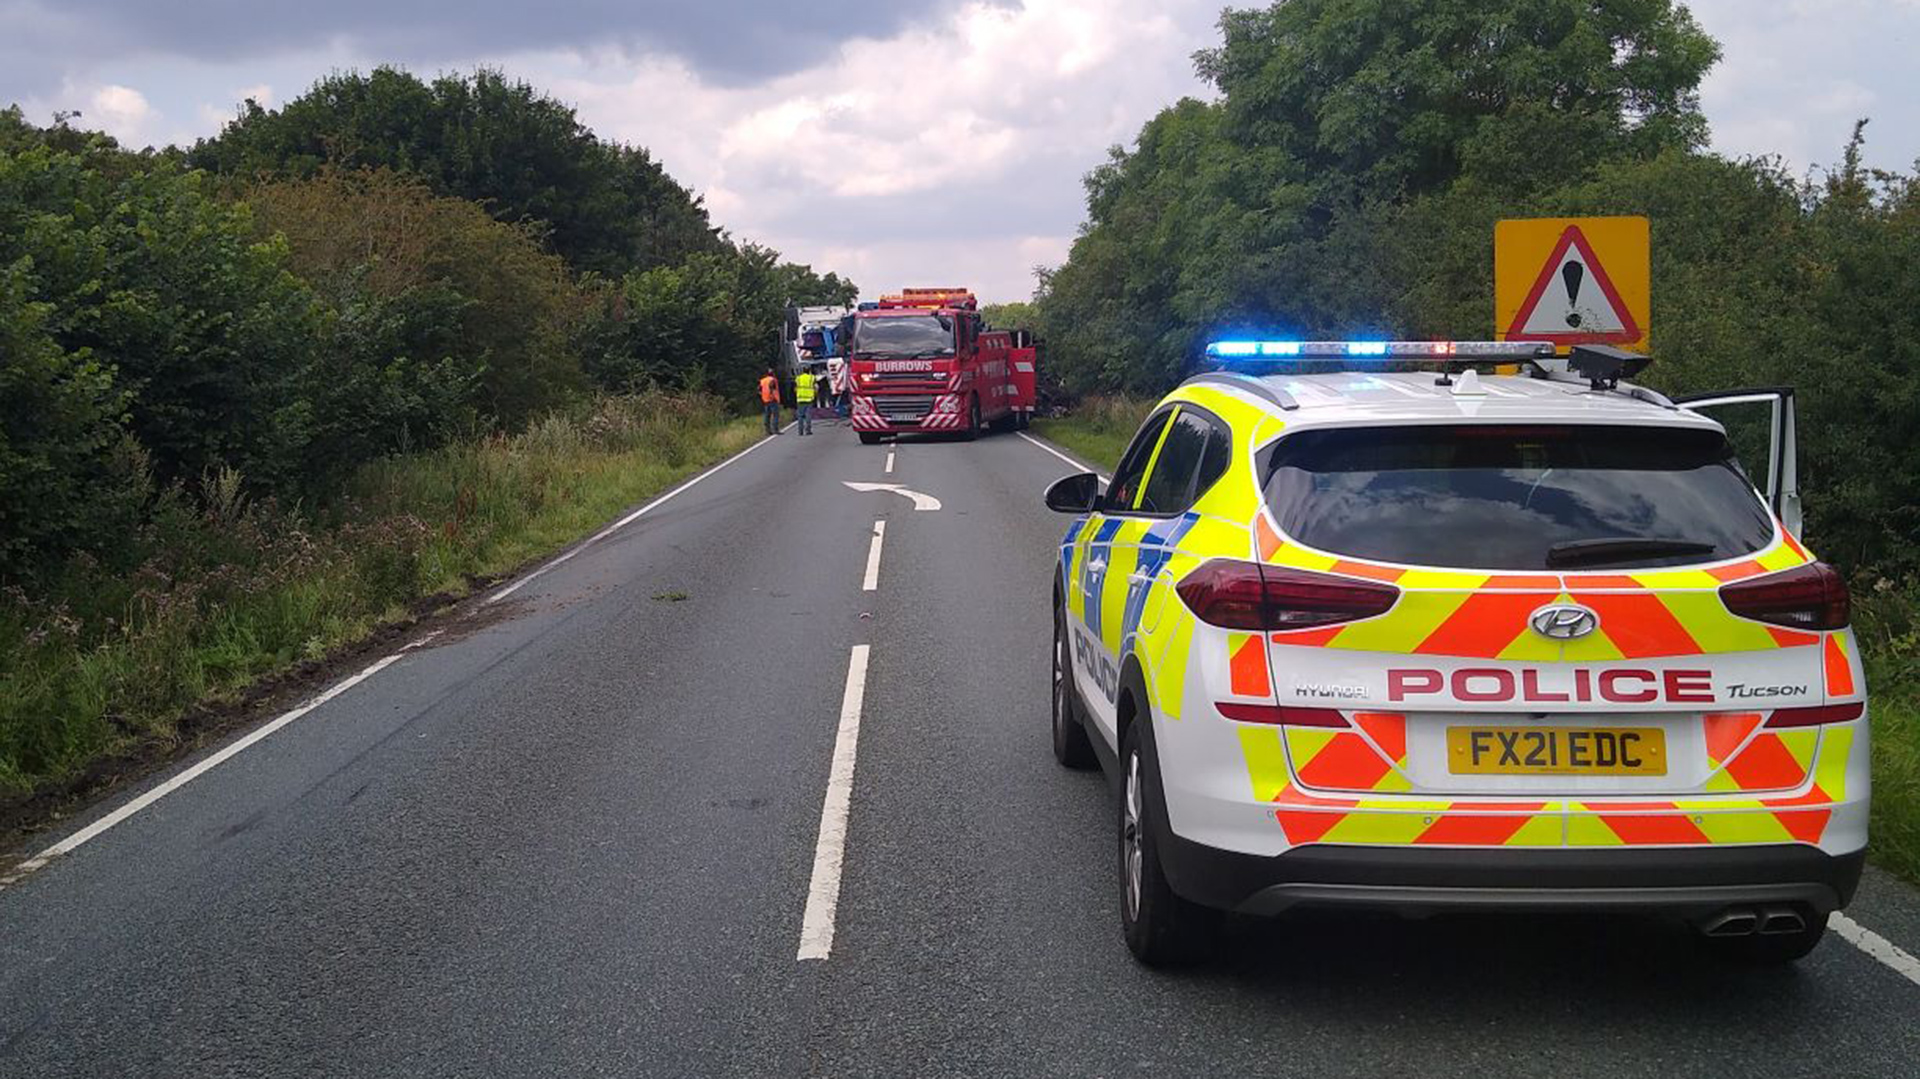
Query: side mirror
{"x": 1074, "y": 494}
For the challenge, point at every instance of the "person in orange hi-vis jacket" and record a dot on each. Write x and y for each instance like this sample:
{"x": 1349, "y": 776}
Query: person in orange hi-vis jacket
{"x": 770, "y": 401}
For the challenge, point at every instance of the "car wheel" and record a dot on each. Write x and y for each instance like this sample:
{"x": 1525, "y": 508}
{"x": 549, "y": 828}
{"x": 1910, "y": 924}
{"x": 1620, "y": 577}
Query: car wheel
{"x": 1161, "y": 928}
{"x": 868, "y": 438}
{"x": 1071, "y": 747}
{"x": 1767, "y": 949}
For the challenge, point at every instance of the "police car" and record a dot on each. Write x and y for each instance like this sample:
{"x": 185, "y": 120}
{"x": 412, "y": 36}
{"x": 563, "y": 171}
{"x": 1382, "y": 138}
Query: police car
{"x": 1356, "y": 624}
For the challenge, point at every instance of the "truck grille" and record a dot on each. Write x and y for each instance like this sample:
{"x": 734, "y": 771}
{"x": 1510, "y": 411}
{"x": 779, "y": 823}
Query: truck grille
{"x": 903, "y": 408}
{"x": 895, "y": 378}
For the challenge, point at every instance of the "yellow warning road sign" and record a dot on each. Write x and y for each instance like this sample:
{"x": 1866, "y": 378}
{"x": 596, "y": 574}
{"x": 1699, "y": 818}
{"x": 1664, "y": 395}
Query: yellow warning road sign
{"x": 1572, "y": 281}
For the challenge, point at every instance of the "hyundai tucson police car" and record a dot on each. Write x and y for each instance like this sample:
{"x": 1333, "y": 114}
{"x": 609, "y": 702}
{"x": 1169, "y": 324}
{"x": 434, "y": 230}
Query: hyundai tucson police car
{"x": 1440, "y": 640}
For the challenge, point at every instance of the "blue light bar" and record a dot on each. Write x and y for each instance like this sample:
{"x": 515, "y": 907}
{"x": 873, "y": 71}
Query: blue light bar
{"x": 1382, "y": 350}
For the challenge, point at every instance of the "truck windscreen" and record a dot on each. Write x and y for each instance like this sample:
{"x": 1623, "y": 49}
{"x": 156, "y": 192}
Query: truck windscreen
{"x": 903, "y": 336}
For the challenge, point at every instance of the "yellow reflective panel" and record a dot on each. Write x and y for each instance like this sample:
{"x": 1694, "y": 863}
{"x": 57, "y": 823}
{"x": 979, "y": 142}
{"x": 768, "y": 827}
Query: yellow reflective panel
{"x": 1266, "y": 762}
{"x": 1594, "y": 647}
{"x": 1713, "y": 627}
{"x": 1401, "y": 630}
{"x": 1781, "y": 557}
{"x": 1836, "y": 745}
{"x": 1586, "y": 830}
{"x": 1378, "y": 828}
{"x": 1749, "y": 827}
{"x": 1170, "y": 676}
{"x": 1546, "y": 829}
{"x": 1676, "y": 578}
{"x": 1305, "y": 743}
{"x": 1442, "y": 579}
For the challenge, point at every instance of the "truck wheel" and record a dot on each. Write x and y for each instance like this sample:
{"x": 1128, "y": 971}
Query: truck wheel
{"x": 1070, "y": 745}
{"x": 868, "y": 438}
{"x": 1767, "y": 949}
{"x": 973, "y": 420}
{"x": 1161, "y": 928}
{"x": 1023, "y": 420}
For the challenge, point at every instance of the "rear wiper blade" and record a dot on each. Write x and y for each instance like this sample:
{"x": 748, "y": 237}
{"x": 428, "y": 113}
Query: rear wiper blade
{"x": 1590, "y": 551}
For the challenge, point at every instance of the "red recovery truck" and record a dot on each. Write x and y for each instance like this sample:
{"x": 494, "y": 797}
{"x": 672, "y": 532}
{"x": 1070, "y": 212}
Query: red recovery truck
{"x": 923, "y": 360}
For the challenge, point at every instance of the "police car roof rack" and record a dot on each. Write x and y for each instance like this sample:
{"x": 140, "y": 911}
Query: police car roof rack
{"x": 1249, "y": 383}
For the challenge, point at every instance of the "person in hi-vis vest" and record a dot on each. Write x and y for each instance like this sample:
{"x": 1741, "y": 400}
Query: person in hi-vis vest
{"x": 770, "y": 401}
{"x": 805, "y": 388}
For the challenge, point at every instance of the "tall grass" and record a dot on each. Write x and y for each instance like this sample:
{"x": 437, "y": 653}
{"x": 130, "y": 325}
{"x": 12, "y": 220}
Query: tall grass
{"x": 1887, "y": 620}
{"x": 226, "y": 589}
{"x": 1099, "y": 428}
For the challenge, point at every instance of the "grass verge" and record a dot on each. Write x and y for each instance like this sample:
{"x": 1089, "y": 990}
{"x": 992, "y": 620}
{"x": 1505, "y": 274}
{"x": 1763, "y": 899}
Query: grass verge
{"x": 217, "y": 591}
{"x": 1886, "y": 618}
{"x": 1098, "y": 430}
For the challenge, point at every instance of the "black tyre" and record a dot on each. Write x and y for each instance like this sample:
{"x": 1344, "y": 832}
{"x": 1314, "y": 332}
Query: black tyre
{"x": 1161, "y": 928}
{"x": 1071, "y": 746}
{"x": 1022, "y": 420}
{"x": 868, "y": 438}
{"x": 1768, "y": 949}
{"x": 973, "y": 420}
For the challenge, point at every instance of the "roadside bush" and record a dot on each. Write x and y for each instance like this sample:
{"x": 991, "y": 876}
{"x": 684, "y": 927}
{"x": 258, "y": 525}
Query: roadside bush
{"x": 227, "y": 587}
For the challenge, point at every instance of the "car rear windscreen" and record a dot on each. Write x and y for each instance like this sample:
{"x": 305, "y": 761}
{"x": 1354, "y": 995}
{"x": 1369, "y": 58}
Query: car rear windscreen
{"x": 1516, "y": 497}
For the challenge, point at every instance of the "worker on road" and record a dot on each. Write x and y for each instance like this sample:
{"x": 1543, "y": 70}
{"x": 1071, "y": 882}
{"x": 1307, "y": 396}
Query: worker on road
{"x": 770, "y": 401}
{"x": 805, "y": 388}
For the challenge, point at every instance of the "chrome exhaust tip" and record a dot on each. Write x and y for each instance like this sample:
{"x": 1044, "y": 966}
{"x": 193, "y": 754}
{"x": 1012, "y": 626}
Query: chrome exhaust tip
{"x": 1781, "y": 920}
{"x": 1732, "y": 922}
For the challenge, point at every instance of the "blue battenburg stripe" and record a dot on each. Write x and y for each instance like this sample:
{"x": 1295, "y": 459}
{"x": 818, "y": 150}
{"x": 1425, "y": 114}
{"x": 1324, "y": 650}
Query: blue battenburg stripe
{"x": 1156, "y": 550}
{"x": 1093, "y": 574}
{"x": 1066, "y": 548}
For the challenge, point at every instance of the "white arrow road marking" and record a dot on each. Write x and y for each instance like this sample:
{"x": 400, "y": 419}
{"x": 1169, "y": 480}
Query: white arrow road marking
{"x": 922, "y": 503}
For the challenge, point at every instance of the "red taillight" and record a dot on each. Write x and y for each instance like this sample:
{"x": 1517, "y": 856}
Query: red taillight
{"x": 1246, "y": 595}
{"x": 1817, "y": 715}
{"x": 1281, "y": 715}
{"x": 1806, "y": 597}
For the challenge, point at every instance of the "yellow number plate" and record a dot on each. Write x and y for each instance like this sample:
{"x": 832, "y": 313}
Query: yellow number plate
{"x": 1600, "y": 751}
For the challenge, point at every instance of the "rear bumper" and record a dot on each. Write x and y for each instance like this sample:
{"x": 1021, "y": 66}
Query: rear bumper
{"x": 1693, "y": 882}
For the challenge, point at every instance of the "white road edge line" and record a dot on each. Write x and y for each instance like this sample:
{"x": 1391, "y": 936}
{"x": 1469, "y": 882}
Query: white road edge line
{"x": 1880, "y": 948}
{"x": 623, "y": 522}
{"x": 93, "y": 831}
{"x": 1104, "y": 478}
{"x": 872, "y": 580}
{"x": 829, "y": 853}
{"x": 889, "y": 462}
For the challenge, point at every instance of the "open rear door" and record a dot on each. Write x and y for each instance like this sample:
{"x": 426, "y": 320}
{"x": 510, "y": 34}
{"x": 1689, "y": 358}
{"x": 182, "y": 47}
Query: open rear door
{"x": 1760, "y": 422}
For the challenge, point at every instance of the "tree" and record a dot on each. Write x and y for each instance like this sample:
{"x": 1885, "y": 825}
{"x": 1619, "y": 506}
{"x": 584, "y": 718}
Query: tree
{"x": 605, "y": 208}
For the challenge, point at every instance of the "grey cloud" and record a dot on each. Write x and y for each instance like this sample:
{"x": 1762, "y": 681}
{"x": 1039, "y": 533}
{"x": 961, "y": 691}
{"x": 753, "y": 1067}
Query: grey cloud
{"x": 731, "y": 42}
{"x": 1042, "y": 195}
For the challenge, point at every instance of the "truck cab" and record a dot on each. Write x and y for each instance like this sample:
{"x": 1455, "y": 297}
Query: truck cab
{"x": 924, "y": 360}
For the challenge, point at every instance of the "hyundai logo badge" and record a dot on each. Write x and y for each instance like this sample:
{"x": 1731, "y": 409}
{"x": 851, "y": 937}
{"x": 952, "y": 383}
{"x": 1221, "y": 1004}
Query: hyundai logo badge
{"x": 1563, "y": 621}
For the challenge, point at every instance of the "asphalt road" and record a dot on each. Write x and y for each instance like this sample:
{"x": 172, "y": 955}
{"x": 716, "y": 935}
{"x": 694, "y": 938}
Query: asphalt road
{"x": 578, "y": 838}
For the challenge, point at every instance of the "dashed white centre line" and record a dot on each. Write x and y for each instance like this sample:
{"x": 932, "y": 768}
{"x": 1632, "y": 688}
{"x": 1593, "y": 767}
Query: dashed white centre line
{"x": 1887, "y": 952}
{"x": 889, "y": 462}
{"x": 872, "y": 579}
{"x": 829, "y": 852}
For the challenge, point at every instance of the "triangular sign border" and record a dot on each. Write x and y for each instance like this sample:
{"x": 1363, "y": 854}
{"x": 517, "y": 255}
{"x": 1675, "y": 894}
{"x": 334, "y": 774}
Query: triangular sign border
{"x": 1573, "y": 237}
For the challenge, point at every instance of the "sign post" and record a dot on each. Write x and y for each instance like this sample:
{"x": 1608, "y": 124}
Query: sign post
{"x": 1572, "y": 281}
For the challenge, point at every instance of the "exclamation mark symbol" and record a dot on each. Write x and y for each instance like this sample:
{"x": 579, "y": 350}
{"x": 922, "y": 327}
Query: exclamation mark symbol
{"x": 1572, "y": 274}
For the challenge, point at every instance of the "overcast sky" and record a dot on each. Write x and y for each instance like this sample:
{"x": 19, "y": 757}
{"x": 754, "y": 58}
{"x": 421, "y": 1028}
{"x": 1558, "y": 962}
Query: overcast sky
{"x": 900, "y": 143}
